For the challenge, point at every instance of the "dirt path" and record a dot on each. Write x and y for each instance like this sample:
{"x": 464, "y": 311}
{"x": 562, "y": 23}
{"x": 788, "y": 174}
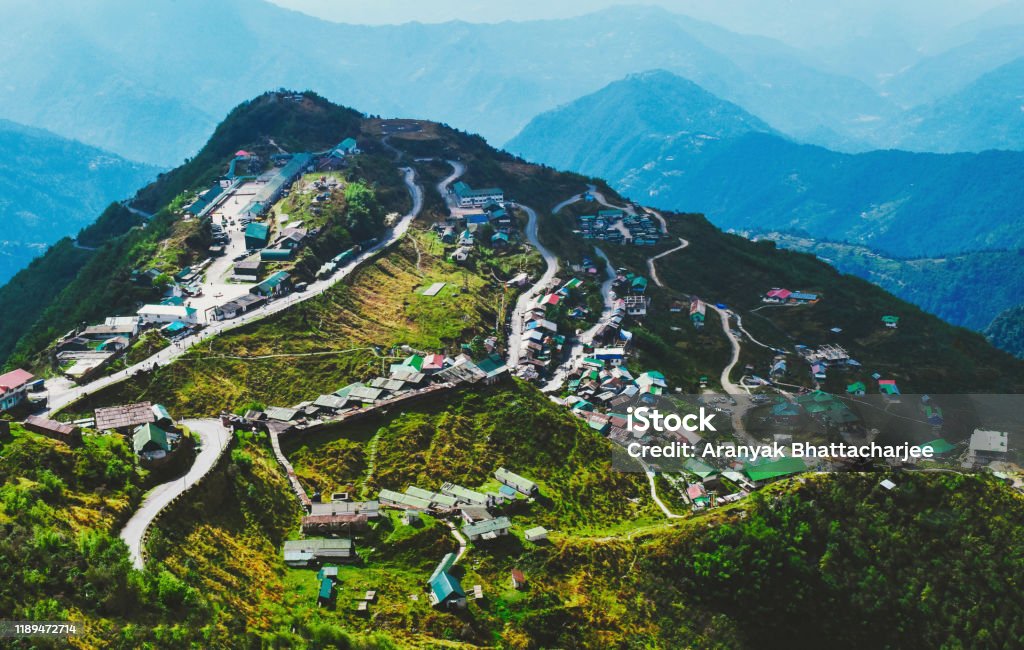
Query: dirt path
{"x": 650, "y": 260}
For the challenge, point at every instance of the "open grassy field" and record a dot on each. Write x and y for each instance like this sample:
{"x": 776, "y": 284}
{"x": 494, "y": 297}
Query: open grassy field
{"x": 351, "y": 332}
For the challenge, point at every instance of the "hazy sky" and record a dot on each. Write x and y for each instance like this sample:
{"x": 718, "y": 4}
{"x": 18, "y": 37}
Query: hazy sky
{"x": 800, "y": 22}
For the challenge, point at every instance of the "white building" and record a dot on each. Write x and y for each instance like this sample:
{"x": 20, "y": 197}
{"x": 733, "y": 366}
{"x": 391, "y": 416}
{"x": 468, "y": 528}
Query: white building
{"x": 163, "y": 314}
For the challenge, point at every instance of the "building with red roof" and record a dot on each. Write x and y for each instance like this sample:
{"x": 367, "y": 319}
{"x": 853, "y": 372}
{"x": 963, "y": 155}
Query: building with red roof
{"x": 14, "y": 387}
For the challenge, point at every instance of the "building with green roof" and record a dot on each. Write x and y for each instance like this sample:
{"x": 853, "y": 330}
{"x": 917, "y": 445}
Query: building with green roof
{"x": 939, "y": 447}
{"x": 445, "y": 591}
{"x": 256, "y": 235}
{"x": 149, "y": 438}
{"x": 773, "y": 469}
{"x": 277, "y": 284}
{"x": 701, "y": 469}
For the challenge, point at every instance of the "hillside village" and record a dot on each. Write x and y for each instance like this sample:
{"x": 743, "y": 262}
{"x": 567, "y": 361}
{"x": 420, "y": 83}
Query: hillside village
{"x": 572, "y": 332}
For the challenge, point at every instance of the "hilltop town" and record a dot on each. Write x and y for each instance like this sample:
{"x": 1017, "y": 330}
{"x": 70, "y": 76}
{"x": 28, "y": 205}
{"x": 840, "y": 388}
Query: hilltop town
{"x": 318, "y": 318}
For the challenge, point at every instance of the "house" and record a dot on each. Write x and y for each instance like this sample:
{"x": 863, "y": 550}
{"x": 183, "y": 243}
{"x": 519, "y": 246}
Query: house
{"x": 487, "y": 529}
{"x": 856, "y": 388}
{"x": 164, "y": 314}
{"x": 536, "y": 534}
{"x": 445, "y": 591}
{"x": 151, "y": 443}
{"x": 515, "y": 481}
{"x": 698, "y": 312}
{"x": 115, "y": 344}
{"x": 499, "y": 240}
{"x": 238, "y": 306}
{"x": 518, "y": 579}
{"x": 888, "y": 388}
{"x": 399, "y": 500}
{"x": 347, "y": 146}
{"x": 247, "y": 270}
{"x": 803, "y": 298}
{"x": 638, "y": 285}
{"x": 464, "y": 495}
{"x": 306, "y": 552}
{"x": 891, "y": 321}
{"x": 66, "y": 433}
{"x": 636, "y": 306}
{"x": 14, "y": 388}
{"x": 466, "y": 238}
{"x": 769, "y": 470}
{"x": 326, "y": 593}
{"x": 468, "y": 197}
{"x": 125, "y": 417}
{"x": 777, "y": 296}
{"x": 652, "y": 382}
{"x": 448, "y": 235}
{"x": 473, "y": 513}
{"x": 276, "y": 285}
{"x": 938, "y": 446}
{"x": 127, "y": 326}
{"x": 698, "y": 496}
{"x": 256, "y": 235}
{"x": 987, "y": 446}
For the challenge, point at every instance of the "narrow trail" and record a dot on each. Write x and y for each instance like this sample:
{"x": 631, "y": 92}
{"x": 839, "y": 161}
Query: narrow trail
{"x": 654, "y": 493}
{"x": 652, "y": 271}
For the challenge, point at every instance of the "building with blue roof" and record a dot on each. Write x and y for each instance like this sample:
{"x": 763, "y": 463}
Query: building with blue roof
{"x": 445, "y": 591}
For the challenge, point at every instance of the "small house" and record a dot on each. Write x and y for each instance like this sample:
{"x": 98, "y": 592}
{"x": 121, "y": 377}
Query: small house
{"x": 536, "y": 534}
{"x": 516, "y": 482}
{"x": 445, "y": 591}
{"x": 518, "y": 579}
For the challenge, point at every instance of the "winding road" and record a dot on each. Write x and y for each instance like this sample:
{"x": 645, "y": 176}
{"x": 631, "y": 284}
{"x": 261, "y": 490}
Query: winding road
{"x": 214, "y": 440}
{"x": 515, "y": 339}
{"x": 63, "y": 393}
{"x": 650, "y": 260}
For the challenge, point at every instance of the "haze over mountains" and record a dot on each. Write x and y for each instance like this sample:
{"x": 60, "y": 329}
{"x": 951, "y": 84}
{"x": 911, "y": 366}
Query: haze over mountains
{"x": 145, "y": 80}
{"x": 50, "y": 187}
{"x": 164, "y": 68}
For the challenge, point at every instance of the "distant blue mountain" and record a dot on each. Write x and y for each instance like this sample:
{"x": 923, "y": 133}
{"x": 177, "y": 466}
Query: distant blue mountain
{"x": 51, "y": 187}
{"x": 669, "y": 143}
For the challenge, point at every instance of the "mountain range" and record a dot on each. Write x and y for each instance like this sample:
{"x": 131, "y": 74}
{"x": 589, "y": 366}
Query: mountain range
{"x": 666, "y": 141}
{"x": 51, "y": 186}
{"x": 71, "y": 68}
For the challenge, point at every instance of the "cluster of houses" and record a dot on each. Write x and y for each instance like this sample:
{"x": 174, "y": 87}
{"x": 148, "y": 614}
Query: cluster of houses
{"x": 781, "y": 296}
{"x": 825, "y": 357}
{"x": 825, "y": 409}
{"x": 463, "y": 230}
{"x": 696, "y": 307}
{"x": 541, "y": 341}
{"x": 85, "y": 351}
{"x": 619, "y": 227}
{"x": 345, "y": 517}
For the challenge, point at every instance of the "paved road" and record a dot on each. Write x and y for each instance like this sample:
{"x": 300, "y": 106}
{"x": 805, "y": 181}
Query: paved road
{"x": 214, "y": 438}
{"x": 526, "y": 299}
{"x": 458, "y": 169}
{"x": 63, "y": 393}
